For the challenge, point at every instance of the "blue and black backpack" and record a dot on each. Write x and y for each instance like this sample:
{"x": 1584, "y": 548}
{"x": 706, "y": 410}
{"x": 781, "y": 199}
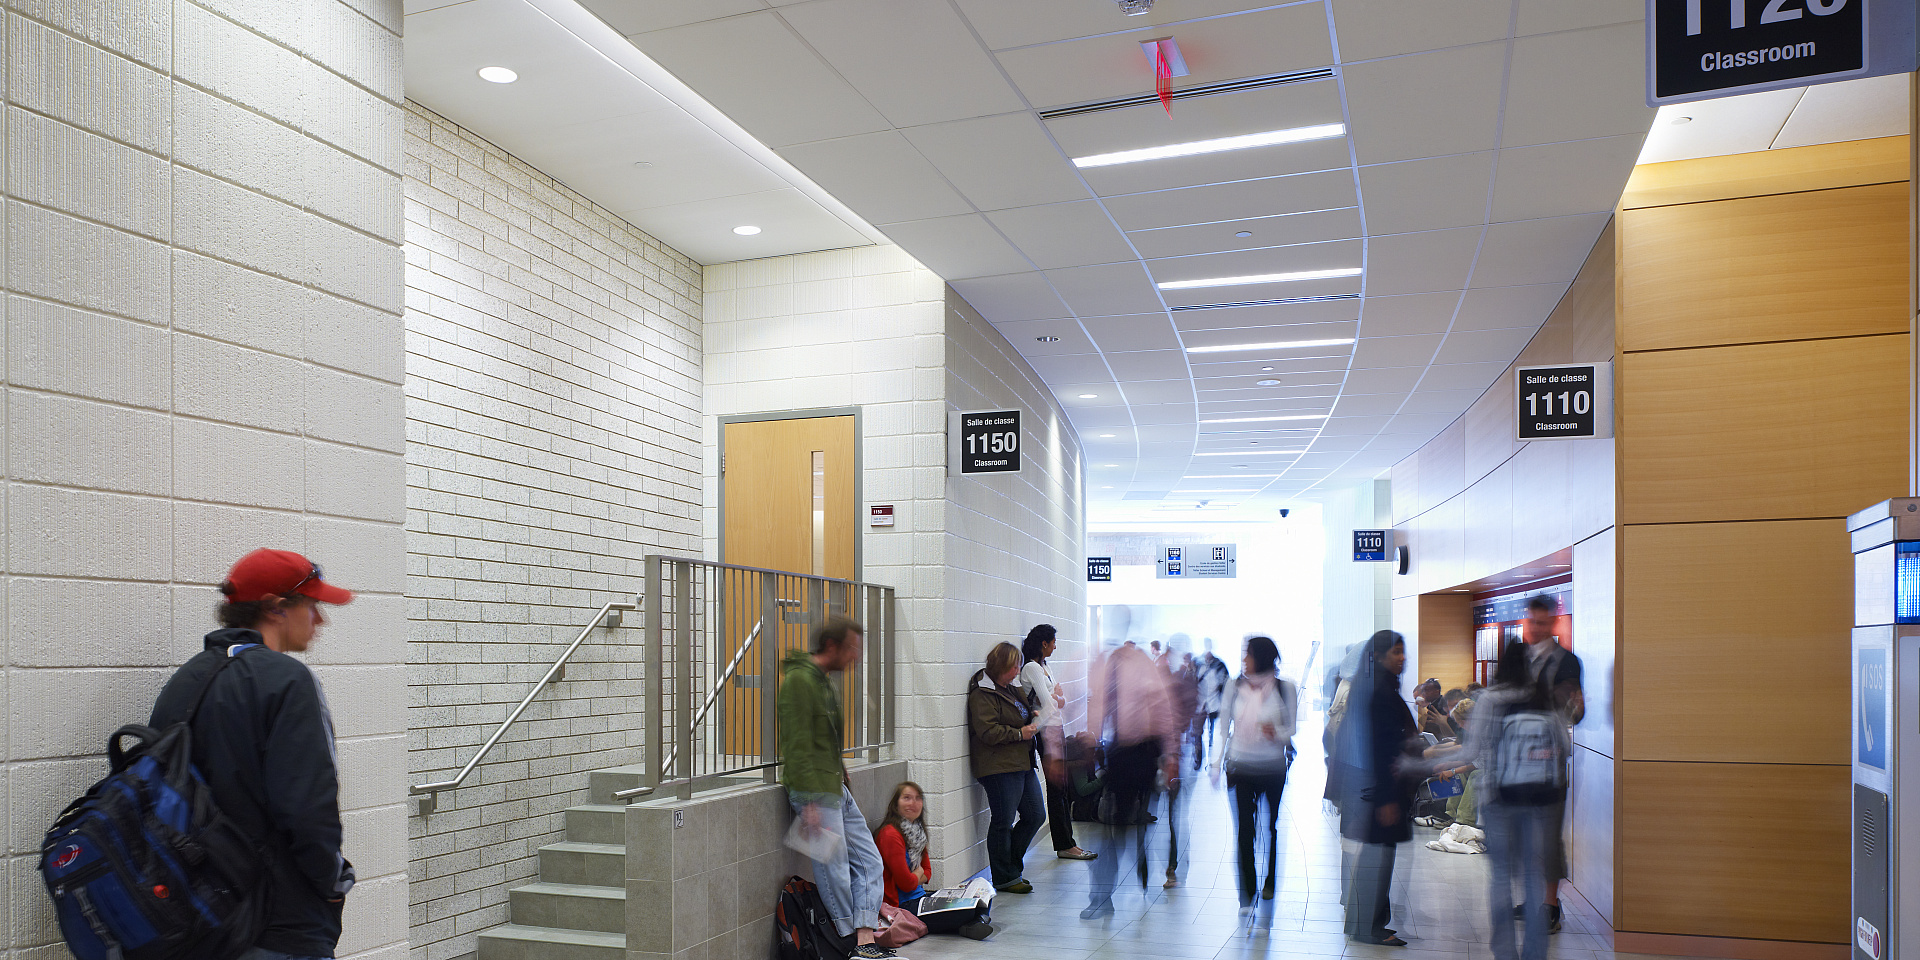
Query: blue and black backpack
{"x": 145, "y": 867}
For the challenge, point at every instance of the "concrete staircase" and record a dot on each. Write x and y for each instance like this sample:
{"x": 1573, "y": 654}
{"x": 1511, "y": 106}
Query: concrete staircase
{"x": 578, "y": 908}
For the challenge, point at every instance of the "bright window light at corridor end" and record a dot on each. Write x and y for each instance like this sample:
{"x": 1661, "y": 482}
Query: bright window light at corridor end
{"x": 1274, "y": 345}
{"x": 1324, "y": 131}
{"x": 1262, "y": 278}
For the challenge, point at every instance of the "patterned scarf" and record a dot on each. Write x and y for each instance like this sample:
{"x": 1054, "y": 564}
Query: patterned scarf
{"x": 915, "y": 833}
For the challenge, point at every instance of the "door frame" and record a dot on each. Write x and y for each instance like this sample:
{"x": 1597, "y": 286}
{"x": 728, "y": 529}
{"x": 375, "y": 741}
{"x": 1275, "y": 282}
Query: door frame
{"x": 859, "y": 473}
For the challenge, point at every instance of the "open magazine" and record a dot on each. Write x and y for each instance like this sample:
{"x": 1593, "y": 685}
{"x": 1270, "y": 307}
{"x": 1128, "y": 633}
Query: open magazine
{"x": 975, "y": 893}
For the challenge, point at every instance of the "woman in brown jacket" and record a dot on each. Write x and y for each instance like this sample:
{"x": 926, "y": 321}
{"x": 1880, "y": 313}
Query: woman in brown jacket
{"x": 1001, "y": 722}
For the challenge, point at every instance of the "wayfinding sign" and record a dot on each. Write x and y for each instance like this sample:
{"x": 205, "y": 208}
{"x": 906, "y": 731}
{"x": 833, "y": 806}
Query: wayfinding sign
{"x": 983, "y": 442}
{"x": 1568, "y": 402}
{"x": 1700, "y": 49}
{"x": 1099, "y": 569}
{"x": 1371, "y": 546}
{"x": 1197, "y": 562}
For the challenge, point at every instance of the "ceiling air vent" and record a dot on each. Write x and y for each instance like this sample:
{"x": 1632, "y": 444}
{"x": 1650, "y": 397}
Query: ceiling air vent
{"x": 1202, "y": 90}
{"x": 1265, "y": 303}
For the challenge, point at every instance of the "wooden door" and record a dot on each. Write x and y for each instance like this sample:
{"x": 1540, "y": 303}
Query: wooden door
{"x": 788, "y": 495}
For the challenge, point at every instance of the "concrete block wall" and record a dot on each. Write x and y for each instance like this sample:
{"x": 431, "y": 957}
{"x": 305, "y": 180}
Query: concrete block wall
{"x": 553, "y": 391}
{"x": 203, "y": 355}
{"x": 1015, "y": 556}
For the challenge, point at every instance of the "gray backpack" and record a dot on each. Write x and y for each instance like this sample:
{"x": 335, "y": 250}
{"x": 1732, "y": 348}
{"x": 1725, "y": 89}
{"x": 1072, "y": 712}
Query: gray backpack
{"x": 1531, "y": 758}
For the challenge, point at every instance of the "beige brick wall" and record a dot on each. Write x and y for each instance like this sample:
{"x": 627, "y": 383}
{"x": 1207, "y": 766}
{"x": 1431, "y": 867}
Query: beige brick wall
{"x": 203, "y": 355}
{"x": 553, "y": 391}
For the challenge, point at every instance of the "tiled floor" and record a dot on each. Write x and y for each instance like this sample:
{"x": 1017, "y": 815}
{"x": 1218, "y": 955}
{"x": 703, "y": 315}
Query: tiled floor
{"x": 1439, "y": 899}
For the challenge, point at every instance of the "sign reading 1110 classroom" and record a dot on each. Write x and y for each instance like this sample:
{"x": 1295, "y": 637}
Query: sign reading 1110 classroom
{"x": 1569, "y": 402}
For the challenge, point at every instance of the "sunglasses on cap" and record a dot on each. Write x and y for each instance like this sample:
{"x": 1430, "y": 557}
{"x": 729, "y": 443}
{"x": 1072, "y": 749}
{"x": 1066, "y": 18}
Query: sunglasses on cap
{"x": 315, "y": 574}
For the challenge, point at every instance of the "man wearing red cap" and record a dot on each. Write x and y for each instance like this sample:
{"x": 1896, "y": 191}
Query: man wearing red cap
{"x": 263, "y": 739}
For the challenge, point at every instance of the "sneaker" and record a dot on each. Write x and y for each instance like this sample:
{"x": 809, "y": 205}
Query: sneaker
{"x": 1019, "y": 885}
{"x": 1553, "y": 918}
{"x": 1102, "y": 909}
{"x": 873, "y": 951}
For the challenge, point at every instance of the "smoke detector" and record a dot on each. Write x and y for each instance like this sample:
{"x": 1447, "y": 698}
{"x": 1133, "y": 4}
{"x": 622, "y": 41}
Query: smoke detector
{"x": 1134, "y": 8}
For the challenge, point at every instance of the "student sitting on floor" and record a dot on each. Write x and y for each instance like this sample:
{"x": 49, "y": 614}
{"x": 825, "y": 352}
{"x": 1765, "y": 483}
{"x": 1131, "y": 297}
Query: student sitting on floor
{"x": 902, "y": 839}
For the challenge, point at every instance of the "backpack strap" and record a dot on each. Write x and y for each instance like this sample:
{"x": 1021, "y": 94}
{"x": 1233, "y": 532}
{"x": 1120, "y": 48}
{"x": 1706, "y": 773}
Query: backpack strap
{"x": 206, "y": 686}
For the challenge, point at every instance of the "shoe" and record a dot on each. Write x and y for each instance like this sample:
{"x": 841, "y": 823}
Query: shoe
{"x": 873, "y": 951}
{"x": 1075, "y": 853}
{"x": 1266, "y": 892}
{"x": 1102, "y": 909}
{"x": 976, "y": 930}
{"x": 1553, "y": 918}
{"x": 1387, "y": 941}
{"x": 1172, "y": 881}
{"x": 1019, "y": 885}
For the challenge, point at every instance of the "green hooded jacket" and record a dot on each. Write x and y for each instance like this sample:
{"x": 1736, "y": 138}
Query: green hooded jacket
{"x": 810, "y": 736}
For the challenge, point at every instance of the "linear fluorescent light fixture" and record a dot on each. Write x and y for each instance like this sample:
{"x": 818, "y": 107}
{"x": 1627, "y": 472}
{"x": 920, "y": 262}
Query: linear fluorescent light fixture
{"x": 1322, "y": 131}
{"x": 1250, "y": 453}
{"x": 1264, "y": 303}
{"x": 1261, "y": 278}
{"x": 1304, "y": 416}
{"x": 1275, "y": 345}
{"x": 1233, "y": 476}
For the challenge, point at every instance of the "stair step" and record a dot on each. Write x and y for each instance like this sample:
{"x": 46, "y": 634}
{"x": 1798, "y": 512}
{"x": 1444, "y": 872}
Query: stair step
{"x": 570, "y": 906}
{"x": 515, "y": 941}
{"x": 590, "y": 864}
{"x": 597, "y": 823}
{"x": 601, "y": 784}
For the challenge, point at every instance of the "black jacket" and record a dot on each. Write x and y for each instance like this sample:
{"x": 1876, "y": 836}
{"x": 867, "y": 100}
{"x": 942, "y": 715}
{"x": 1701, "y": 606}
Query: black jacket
{"x": 264, "y": 742}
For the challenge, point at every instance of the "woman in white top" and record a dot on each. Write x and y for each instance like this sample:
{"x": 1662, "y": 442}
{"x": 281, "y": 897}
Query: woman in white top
{"x": 1053, "y": 700}
{"x": 1259, "y": 709}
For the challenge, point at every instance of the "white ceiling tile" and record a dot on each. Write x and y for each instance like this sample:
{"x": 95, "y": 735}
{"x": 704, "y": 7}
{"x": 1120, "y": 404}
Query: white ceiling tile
{"x": 639, "y": 16}
{"x": 1384, "y": 316}
{"x": 957, "y": 248}
{"x": 790, "y": 222}
{"x": 1744, "y": 124}
{"x": 1149, "y": 331}
{"x": 1469, "y": 346}
{"x": 1376, "y": 352}
{"x": 1559, "y": 179}
{"x": 1023, "y": 333}
{"x": 1369, "y": 404}
{"x": 1331, "y": 255}
{"x": 1164, "y": 413}
{"x": 1089, "y": 393}
{"x": 1233, "y": 165}
{"x": 1537, "y": 251}
{"x": 1203, "y": 118}
{"x": 998, "y": 162}
{"x": 1334, "y": 449}
{"x": 1017, "y": 296}
{"x": 1106, "y": 290}
{"x": 411, "y": 7}
{"x": 1274, "y": 40}
{"x": 1853, "y": 110}
{"x": 1260, "y": 293}
{"x": 1428, "y": 105}
{"x": 1249, "y": 371}
{"x": 1355, "y": 426}
{"x": 914, "y": 60}
{"x": 1265, "y": 232}
{"x": 1434, "y": 410}
{"x": 1093, "y": 421}
{"x": 1071, "y": 368}
{"x": 756, "y": 71}
{"x": 1166, "y": 433}
{"x": 1473, "y": 377}
{"x": 1331, "y": 314}
{"x": 880, "y": 175}
{"x": 1064, "y": 234}
{"x": 1549, "y": 16}
{"x": 1491, "y": 308}
{"x": 1149, "y": 365}
{"x": 1384, "y": 28}
{"x": 1234, "y": 201}
{"x": 597, "y": 157}
{"x": 1420, "y": 262}
{"x": 1158, "y": 391}
{"x": 1012, "y": 23}
{"x": 1578, "y": 84}
{"x": 1432, "y": 194}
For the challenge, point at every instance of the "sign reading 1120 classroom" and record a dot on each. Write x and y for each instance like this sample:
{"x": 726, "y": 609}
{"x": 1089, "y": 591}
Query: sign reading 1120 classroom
{"x": 983, "y": 442}
{"x": 1569, "y": 402}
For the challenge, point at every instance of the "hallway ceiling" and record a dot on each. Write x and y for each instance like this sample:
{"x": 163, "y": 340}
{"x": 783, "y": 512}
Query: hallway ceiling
{"x": 1487, "y": 142}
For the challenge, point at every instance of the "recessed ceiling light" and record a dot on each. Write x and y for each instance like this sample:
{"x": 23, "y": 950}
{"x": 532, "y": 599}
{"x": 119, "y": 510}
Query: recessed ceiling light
{"x": 1265, "y": 368}
{"x": 1324, "y": 131}
{"x": 1089, "y": 396}
{"x": 1266, "y": 383}
{"x": 1048, "y": 339}
{"x": 1106, "y": 488}
{"x": 1262, "y": 278}
{"x": 1109, "y": 464}
{"x": 1275, "y": 345}
{"x": 1679, "y": 120}
{"x": 1106, "y": 436}
{"x": 746, "y": 231}
{"x": 1302, "y": 416}
{"x": 643, "y": 164}
{"x": 1244, "y": 233}
{"x": 497, "y": 75}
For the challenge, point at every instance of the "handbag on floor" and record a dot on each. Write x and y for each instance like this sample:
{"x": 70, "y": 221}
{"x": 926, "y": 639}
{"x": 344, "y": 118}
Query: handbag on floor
{"x": 898, "y": 927}
{"x": 802, "y": 926}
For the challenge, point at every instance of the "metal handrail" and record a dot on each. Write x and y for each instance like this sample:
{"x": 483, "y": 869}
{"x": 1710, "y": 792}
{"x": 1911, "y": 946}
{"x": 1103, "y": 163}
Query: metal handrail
{"x": 609, "y": 616}
{"x": 649, "y": 791}
{"x": 718, "y": 687}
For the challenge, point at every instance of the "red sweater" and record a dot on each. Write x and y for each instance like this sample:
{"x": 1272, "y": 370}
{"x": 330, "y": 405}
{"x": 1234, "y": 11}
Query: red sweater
{"x": 901, "y": 877}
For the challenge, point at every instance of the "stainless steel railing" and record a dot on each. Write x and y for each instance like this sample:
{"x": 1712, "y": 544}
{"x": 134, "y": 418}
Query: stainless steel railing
{"x": 429, "y": 793}
{"x": 715, "y": 635}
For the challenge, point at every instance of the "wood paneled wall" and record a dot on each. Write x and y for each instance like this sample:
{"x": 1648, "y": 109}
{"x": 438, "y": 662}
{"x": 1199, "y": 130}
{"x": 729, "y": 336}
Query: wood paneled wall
{"x": 1761, "y": 389}
{"x": 1446, "y": 639}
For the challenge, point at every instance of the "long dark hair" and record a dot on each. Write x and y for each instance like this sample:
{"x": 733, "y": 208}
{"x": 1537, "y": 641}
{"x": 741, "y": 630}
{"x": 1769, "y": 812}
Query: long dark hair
{"x": 893, "y": 818}
{"x": 1036, "y": 640}
{"x": 1264, "y": 653}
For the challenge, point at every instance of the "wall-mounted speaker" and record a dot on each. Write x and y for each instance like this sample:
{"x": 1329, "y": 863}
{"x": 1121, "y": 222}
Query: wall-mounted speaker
{"x": 1406, "y": 559}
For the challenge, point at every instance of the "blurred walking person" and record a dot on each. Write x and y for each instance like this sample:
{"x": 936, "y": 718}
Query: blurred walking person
{"x": 1261, "y": 709}
{"x": 1214, "y": 676}
{"x": 1035, "y": 676}
{"x": 1558, "y": 673}
{"x": 1130, "y": 708}
{"x": 1376, "y": 808}
{"x": 1002, "y": 721}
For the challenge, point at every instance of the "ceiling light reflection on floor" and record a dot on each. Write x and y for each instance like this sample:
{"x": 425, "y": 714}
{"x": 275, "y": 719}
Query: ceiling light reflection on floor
{"x": 1324, "y": 131}
{"x": 1262, "y": 278}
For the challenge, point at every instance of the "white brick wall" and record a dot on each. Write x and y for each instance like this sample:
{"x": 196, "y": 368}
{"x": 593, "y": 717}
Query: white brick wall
{"x": 553, "y": 384}
{"x": 203, "y": 355}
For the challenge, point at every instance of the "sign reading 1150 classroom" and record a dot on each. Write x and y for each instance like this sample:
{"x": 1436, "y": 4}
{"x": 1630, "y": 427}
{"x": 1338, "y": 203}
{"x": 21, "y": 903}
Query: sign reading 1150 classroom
{"x": 982, "y": 442}
{"x": 1573, "y": 401}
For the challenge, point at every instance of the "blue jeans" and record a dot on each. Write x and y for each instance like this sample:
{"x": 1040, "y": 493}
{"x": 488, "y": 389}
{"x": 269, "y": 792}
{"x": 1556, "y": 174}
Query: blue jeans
{"x": 261, "y": 953}
{"x": 850, "y": 882}
{"x": 1517, "y": 844}
{"x": 1009, "y": 794}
